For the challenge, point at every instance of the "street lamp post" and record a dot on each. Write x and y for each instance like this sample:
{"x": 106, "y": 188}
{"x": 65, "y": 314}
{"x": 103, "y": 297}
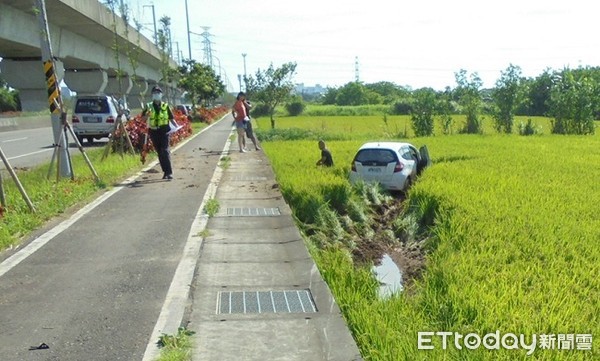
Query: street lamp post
{"x": 153, "y": 22}
{"x": 245, "y": 78}
{"x": 187, "y": 18}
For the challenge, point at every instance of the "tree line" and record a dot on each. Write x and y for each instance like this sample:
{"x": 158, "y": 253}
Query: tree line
{"x": 571, "y": 97}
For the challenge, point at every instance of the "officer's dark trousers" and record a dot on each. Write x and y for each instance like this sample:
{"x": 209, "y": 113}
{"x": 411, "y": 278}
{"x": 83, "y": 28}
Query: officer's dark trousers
{"x": 160, "y": 139}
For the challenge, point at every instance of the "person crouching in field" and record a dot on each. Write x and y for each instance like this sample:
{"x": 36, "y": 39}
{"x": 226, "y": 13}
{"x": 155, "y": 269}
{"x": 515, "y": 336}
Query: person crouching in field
{"x": 326, "y": 158}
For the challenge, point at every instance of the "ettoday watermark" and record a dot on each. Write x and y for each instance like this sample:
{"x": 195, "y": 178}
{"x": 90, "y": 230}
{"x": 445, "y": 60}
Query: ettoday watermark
{"x": 508, "y": 341}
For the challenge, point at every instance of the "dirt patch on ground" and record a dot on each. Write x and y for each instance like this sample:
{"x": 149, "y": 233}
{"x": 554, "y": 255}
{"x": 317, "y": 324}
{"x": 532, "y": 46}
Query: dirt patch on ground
{"x": 408, "y": 256}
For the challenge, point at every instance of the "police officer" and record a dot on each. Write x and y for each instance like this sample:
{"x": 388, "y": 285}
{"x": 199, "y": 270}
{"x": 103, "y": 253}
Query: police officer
{"x": 158, "y": 115}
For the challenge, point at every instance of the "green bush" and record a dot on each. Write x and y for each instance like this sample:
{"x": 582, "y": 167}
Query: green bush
{"x": 260, "y": 110}
{"x": 295, "y": 107}
{"x": 9, "y": 100}
{"x": 402, "y": 107}
{"x": 529, "y": 128}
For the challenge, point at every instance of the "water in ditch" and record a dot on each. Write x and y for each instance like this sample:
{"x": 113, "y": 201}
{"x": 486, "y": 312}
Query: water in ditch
{"x": 389, "y": 276}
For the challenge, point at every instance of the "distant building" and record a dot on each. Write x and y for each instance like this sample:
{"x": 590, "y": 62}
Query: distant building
{"x": 309, "y": 90}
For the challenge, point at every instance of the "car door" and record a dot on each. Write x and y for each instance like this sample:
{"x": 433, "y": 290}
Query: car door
{"x": 425, "y": 159}
{"x": 375, "y": 164}
{"x": 411, "y": 157}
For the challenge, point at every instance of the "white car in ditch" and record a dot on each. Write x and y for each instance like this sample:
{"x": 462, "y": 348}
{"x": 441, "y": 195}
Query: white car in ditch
{"x": 394, "y": 165}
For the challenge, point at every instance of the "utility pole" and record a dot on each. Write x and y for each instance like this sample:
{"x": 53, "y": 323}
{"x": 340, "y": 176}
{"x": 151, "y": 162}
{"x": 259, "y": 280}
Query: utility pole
{"x": 60, "y": 125}
{"x": 54, "y": 98}
{"x": 187, "y": 18}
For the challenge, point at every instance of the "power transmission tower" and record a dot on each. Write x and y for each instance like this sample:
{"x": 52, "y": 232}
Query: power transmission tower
{"x": 356, "y": 77}
{"x": 207, "y": 46}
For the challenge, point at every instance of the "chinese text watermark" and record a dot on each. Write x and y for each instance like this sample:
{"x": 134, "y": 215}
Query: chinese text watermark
{"x": 508, "y": 341}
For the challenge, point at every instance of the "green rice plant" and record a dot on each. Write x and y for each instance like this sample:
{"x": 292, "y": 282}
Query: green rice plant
{"x": 369, "y": 126}
{"x": 406, "y": 227}
{"x": 315, "y": 110}
{"x": 357, "y": 211}
{"x": 327, "y": 219}
{"x": 512, "y": 230}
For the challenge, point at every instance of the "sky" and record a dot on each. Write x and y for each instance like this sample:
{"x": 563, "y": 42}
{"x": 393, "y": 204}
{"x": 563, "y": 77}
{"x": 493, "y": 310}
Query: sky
{"x": 416, "y": 43}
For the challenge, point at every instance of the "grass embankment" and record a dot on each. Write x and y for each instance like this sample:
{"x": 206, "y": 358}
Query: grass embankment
{"x": 52, "y": 198}
{"x": 515, "y": 238}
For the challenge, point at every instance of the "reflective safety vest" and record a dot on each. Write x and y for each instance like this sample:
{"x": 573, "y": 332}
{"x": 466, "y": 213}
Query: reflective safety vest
{"x": 158, "y": 119}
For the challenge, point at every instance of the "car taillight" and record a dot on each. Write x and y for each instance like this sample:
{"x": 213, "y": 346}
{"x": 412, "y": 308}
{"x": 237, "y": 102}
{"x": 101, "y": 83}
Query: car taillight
{"x": 74, "y": 119}
{"x": 398, "y": 167}
{"x": 110, "y": 119}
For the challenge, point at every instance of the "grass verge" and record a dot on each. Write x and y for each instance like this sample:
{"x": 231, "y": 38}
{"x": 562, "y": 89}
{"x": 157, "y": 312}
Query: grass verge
{"x": 52, "y": 198}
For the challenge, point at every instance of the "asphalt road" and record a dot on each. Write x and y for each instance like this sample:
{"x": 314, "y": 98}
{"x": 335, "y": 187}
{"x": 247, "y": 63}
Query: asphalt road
{"x": 31, "y": 147}
{"x": 27, "y": 148}
{"x": 94, "y": 291}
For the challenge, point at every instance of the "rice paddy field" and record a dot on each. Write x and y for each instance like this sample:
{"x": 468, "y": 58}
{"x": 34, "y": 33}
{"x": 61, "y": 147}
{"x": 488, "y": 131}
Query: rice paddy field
{"x": 514, "y": 246}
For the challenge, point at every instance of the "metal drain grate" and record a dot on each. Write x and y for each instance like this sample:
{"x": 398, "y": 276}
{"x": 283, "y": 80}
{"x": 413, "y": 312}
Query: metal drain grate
{"x": 249, "y": 178}
{"x": 253, "y": 212}
{"x": 294, "y": 301}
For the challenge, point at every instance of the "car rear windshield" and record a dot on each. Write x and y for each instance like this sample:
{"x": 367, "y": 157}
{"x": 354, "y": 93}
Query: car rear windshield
{"x": 93, "y": 105}
{"x": 376, "y": 156}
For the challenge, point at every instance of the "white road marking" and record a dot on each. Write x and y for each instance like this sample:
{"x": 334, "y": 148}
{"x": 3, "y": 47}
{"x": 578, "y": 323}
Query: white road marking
{"x": 32, "y": 153}
{"x": 14, "y": 140}
{"x": 39, "y": 242}
{"x": 173, "y": 308}
{"x": 177, "y": 297}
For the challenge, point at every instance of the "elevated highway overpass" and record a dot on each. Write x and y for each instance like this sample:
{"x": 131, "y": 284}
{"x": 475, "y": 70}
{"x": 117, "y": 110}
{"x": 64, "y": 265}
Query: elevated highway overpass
{"x": 82, "y": 34}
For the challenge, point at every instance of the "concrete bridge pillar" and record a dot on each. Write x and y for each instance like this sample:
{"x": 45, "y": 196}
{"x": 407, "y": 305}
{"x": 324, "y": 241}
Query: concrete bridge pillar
{"x": 86, "y": 81}
{"x": 119, "y": 88}
{"x": 138, "y": 94}
{"x": 28, "y": 77}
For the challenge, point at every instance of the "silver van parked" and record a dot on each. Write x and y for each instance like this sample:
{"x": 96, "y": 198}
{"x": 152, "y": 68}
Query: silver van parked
{"x": 94, "y": 117}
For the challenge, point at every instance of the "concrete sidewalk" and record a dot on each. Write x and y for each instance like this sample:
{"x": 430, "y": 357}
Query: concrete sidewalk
{"x": 257, "y": 293}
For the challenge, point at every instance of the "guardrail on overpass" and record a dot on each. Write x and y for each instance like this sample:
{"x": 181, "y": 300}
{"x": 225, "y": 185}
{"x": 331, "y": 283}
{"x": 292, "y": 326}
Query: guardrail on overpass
{"x": 83, "y": 44}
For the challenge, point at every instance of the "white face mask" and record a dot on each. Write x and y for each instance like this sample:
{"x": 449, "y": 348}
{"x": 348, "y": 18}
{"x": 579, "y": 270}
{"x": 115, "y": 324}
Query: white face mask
{"x": 157, "y": 96}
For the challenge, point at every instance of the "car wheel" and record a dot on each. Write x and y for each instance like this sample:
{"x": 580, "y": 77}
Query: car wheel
{"x": 90, "y": 140}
